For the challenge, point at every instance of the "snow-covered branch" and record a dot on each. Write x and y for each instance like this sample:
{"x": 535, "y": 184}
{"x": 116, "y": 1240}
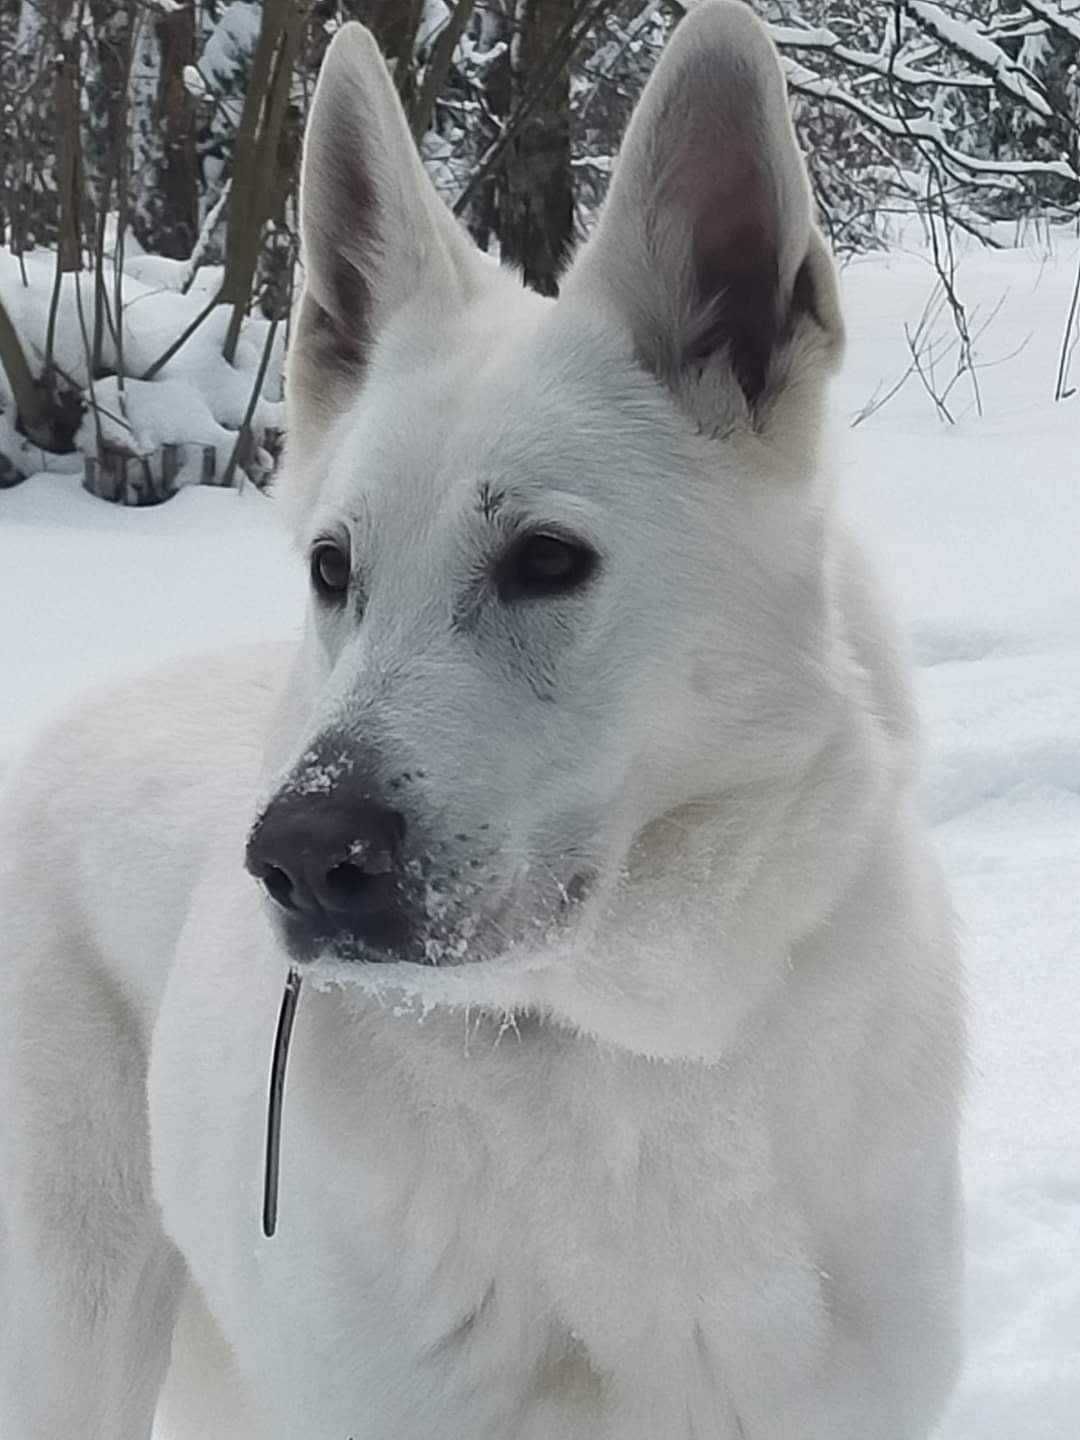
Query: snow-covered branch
{"x": 966, "y": 39}
{"x": 922, "y": 128}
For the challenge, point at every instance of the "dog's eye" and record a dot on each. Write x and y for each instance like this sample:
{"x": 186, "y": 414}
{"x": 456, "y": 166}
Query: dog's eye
{"x": 331, "y": 569}
{"x": 544, "y": 564}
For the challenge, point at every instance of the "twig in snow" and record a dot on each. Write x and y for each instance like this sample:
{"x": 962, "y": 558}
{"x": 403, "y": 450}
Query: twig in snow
{"x": 874, "y": 404}
{"x": 182, "y": 339}
{"x": 1069, "y": 340}
{"x": 50, "y": 325}
{"x": 945, "y": 265}
{"x": 926, "y": 378}
{"x": 89, "y": 365}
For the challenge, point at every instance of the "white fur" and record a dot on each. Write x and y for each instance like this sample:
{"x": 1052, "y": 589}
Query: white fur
{"x": 683, "y": 1166}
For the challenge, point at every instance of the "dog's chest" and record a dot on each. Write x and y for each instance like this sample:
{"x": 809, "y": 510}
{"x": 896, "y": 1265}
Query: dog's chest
{"x": 482, "y": 1236}
{"x": 533, "y": 1235}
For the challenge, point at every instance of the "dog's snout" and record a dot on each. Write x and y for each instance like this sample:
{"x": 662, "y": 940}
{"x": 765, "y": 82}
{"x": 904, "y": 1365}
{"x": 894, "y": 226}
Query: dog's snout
{"x": 332, "y": 864}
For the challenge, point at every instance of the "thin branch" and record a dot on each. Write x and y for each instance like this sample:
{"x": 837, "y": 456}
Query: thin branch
{"x": 182, "y": 339}
{"x": 244, "y": 433}
{"x": 925, "y": 131}
{"x": 31, "y": 400}
{"x": 1068, "y": 343}
{"x": 89, "y": 373}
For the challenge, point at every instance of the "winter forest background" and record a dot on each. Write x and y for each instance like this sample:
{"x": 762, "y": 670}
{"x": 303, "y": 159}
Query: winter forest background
{"x": 149, "y": 165}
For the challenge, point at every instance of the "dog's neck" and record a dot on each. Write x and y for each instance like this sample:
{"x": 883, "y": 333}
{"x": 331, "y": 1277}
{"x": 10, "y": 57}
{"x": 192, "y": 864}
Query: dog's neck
{"x": 717, "y": 900}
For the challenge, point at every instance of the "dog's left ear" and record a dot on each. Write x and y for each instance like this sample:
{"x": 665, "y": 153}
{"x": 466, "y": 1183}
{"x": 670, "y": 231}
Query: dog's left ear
{"x": 706, "y": 247}
{"x": 376, "y": 240}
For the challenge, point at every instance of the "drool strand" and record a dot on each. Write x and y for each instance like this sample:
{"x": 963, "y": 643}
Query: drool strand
{"x": 286, "y": 1016}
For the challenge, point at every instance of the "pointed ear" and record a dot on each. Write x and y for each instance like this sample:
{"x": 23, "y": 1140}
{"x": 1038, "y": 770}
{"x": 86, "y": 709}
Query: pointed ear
{"x": 375, "y": 235}
{"x": 705, "y": 246}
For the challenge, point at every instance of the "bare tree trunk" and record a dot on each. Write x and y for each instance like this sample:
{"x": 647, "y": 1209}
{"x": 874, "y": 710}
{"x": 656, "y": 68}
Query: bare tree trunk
{"x": 32, "y": 409}
{"x": 66, "y": 97}
{"x": 68, "y": 177}
{"x": 114, "y": 29}
{"x": 257, "y": 153}
{"x": 481, "y": 213}
{"x": 179, "y": 174}
{"x": 536, "y": 198}
{"x": 167, "y": 220}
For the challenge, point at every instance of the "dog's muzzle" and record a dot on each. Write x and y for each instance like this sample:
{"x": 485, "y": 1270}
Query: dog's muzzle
{"x": 332, "y": 864}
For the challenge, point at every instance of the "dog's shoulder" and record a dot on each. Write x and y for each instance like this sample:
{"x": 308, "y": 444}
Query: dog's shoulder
{"x": 104, "y": 820}
{"x": 170, "y": 720}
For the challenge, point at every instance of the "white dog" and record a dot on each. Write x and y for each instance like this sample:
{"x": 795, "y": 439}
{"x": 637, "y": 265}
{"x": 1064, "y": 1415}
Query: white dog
{"x": 623, "y": 1094}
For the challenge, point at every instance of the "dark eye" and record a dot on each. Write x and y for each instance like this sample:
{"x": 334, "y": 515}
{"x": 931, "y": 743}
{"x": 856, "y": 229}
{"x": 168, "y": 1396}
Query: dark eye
{"x": 544, "y": 564}
{"x": 331, "y": 569}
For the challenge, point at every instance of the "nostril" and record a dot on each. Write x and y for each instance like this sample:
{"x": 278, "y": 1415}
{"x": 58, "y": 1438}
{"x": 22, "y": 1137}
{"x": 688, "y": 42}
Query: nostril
{"x": 278, "y": 886}
{"x": 346, "y": 884}
{"x": 329, "y": 861}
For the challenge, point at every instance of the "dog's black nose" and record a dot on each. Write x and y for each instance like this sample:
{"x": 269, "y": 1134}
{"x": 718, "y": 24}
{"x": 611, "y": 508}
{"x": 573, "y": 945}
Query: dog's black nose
{"x": 333, "y": 864}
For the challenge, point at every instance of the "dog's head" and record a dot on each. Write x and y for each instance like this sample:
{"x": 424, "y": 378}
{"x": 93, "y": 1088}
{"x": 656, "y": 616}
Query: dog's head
{"x": 566, "y": 557}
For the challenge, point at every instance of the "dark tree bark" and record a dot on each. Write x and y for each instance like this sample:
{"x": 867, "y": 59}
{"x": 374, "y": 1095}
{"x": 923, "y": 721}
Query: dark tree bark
{"x": 68, "y": 177}
{"x": 535, "y": 190}
{"x": 177, "y": 175}
{"x": 32, "y": 409}
{"x": 257, "y": 154}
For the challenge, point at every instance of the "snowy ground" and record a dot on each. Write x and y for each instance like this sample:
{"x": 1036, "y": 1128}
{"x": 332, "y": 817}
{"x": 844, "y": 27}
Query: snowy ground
{"x": 978, "y": 527}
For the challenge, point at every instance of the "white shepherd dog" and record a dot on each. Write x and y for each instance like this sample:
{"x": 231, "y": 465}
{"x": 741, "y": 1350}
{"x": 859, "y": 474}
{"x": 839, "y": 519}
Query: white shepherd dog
{"x": 623, "y": 1093}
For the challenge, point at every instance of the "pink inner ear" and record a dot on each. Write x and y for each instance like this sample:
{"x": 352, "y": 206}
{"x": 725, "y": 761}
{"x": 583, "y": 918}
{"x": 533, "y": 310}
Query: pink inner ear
{"x": 719, "y": 179}
{"x": 344, "y": 235}
{"x": 731, "y": 214}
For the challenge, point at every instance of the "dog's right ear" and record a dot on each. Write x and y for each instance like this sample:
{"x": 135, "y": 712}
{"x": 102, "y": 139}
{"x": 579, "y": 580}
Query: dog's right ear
{"x": 705, "y": 249}
{"x": 375, "y": 235}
